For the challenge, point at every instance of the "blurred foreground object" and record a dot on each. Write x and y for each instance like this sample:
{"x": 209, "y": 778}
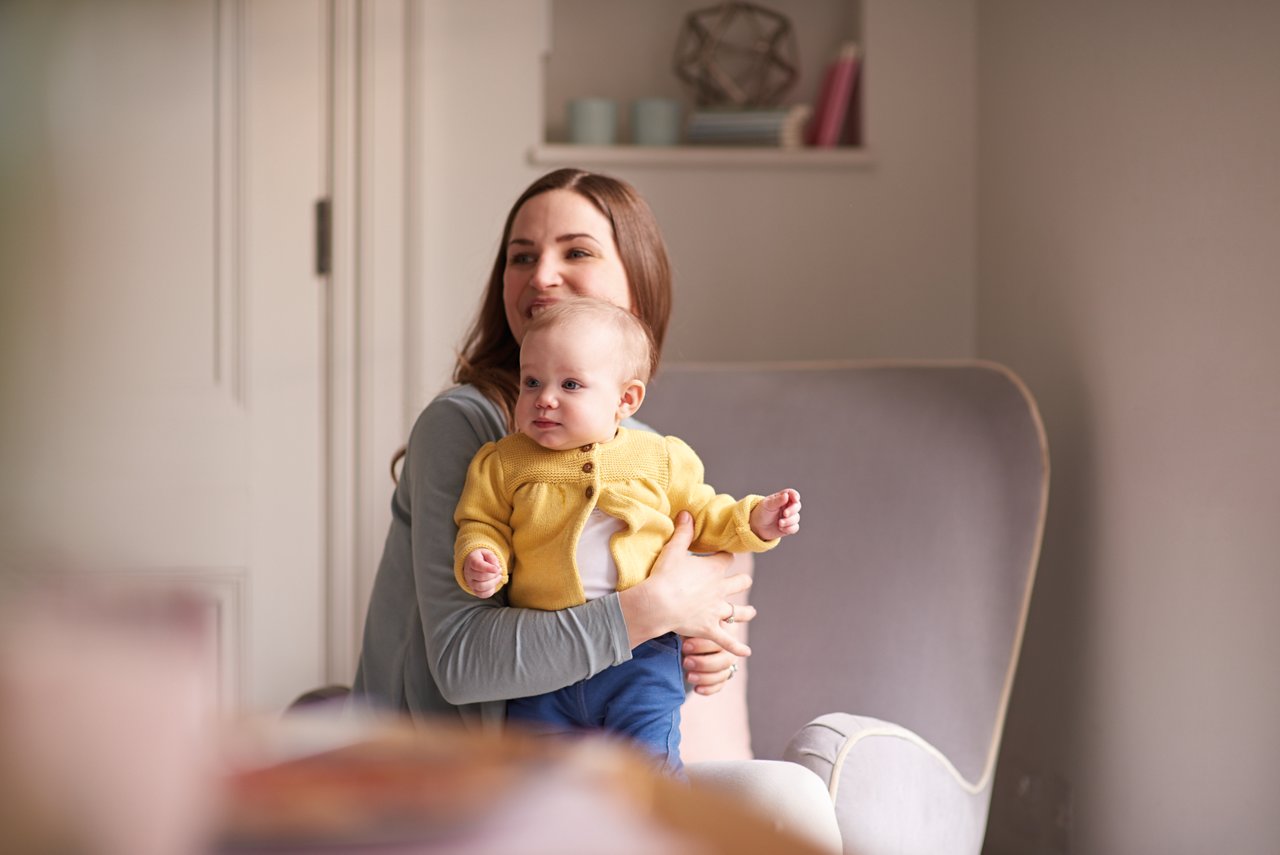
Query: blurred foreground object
{"x": 440, "y": 788}
{"x": 110, "y": 744}
{"x": 106, "y": 719}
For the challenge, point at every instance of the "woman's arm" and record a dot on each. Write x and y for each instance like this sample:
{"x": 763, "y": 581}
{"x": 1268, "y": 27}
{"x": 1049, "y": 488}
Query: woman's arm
{"x": 686, "y": 594}
{"x": 480, "y": 650}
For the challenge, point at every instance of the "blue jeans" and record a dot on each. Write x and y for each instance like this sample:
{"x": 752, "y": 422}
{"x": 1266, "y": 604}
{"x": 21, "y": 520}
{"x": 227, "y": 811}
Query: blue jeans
{"x": 639, "y": 699}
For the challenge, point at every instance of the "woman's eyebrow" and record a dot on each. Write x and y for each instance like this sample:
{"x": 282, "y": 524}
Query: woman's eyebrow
{"x": 576, "y": 236}
{"x": 518, "y": 241}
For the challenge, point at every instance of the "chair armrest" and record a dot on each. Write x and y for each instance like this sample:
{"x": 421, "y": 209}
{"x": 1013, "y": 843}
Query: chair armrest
{"x": 790, "y": 797}
{"x": 893, "y": 792}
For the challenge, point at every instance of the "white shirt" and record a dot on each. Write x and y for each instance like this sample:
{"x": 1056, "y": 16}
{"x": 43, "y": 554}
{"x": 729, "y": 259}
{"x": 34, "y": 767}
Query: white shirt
{"x": 596, "y": 566}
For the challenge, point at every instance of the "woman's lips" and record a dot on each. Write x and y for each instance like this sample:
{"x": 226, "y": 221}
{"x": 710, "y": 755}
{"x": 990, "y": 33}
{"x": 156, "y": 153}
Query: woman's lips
{"x": 537, "y": 306}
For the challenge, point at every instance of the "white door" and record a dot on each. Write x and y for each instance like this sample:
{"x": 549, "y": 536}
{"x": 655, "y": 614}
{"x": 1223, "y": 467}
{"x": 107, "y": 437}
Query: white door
{"x": 163, "y": 311}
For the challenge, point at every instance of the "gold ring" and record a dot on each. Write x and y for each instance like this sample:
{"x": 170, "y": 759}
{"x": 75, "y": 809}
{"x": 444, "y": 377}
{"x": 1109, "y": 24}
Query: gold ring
{"x": 729, "y": 619}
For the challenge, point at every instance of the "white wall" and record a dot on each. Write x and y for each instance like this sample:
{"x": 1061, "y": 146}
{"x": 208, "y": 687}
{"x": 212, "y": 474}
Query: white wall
{"x": 1129, "y": 199}
{"x": 771, "y": 263}
{"x": 478, "y": 109}
{"x": 800, "y": 264}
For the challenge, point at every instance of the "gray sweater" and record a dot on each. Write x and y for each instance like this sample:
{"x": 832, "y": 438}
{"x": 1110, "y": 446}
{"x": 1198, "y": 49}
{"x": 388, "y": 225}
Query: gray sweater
{"x": 431, "y": 648}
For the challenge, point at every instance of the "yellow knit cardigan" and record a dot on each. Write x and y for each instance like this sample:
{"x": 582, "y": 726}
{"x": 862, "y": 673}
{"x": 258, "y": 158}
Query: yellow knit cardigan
{"x": 526, "y": 500}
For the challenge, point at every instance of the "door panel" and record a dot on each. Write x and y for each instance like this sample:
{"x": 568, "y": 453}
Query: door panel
{"x": 169, "y": 388}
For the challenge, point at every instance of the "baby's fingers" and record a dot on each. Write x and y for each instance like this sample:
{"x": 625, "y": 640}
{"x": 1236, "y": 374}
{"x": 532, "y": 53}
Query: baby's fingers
{"x": 484, "y": 591}
{"x": 789, "y": 517}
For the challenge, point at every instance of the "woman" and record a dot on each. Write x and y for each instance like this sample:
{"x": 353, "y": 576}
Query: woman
{"x": 431, "y": 648}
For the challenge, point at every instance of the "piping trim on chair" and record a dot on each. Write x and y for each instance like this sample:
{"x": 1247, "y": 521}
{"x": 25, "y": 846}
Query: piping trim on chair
{"x": 894, "y": 732}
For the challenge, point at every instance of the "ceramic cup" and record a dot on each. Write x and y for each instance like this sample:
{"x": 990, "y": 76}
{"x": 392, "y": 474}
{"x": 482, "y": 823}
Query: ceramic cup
{"x": 593, "y": 121}
{"x": 655, "y": 121}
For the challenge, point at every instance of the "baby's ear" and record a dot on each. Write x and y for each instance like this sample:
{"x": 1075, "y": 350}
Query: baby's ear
{"x": 632, "y": 398}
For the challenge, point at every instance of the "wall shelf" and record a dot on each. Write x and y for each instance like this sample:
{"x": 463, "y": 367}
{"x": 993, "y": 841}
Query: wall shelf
{"x": 701, "y": 157}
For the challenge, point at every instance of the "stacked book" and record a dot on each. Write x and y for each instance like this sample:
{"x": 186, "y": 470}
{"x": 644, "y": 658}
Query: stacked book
{"x": 783, "y": 127}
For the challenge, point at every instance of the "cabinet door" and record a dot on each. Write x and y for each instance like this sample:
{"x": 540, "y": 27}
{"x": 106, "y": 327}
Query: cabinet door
{"x": 168, "y": 321}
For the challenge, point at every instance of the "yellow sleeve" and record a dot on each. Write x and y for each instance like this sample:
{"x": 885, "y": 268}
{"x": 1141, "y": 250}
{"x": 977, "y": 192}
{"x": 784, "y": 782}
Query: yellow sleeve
{"x": 720, "y": 522}
{"x": 483, "y": 514}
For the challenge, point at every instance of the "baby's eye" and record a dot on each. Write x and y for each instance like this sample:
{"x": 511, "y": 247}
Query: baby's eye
{"x": 531, "y": 383}
{"x": 571, "y": 385}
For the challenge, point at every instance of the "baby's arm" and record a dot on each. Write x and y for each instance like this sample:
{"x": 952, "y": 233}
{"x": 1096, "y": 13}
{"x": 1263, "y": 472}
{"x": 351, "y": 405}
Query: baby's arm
{"x": 778, "y": 515}
{"x": 722, "y": 522}
{"x": 482, "y": 549}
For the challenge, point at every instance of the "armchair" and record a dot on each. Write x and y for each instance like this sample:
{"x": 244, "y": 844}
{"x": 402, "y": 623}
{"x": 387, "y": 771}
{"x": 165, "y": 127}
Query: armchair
{"x": 892, "y": 622}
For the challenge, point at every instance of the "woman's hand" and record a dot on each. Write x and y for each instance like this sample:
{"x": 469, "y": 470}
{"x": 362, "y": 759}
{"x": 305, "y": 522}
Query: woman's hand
{"x": 687, "y": 594}
{"x": 707, "y": 665}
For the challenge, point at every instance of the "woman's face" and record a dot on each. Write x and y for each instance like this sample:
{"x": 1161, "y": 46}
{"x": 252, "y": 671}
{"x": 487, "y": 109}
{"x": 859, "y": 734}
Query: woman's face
{"x": 560, "y": 246}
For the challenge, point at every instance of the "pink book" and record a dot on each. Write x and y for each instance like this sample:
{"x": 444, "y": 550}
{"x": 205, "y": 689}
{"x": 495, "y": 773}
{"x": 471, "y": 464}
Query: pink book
{"x": 833, "y": 101}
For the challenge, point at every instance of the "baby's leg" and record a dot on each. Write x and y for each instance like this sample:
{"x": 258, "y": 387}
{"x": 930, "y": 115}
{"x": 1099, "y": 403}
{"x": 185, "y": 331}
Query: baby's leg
{"x": 641, "y": 700}
{"x": 557, "y": 712}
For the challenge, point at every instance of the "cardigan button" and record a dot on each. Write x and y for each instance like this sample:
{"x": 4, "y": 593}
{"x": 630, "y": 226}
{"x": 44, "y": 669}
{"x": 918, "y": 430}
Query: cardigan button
{"x": 588, "y": 466}
{"x": 591, "y": 491}
{"x": 586, "y": 448}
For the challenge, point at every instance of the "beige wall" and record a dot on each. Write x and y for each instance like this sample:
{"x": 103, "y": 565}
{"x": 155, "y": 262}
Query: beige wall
{"x": 1128, "y": 266}
{"x": 771, "y": 263}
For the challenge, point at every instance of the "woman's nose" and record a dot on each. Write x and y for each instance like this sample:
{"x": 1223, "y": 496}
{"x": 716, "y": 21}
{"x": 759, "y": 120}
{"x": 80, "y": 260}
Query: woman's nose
{"x": 546, "y": 274}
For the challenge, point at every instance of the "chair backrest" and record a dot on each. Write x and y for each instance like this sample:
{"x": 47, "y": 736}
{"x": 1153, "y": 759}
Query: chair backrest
{"x": 905, "y": 593}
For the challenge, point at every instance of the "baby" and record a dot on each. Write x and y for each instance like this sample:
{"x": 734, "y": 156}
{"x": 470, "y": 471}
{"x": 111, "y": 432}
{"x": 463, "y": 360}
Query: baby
{"x": 573, "y": 506}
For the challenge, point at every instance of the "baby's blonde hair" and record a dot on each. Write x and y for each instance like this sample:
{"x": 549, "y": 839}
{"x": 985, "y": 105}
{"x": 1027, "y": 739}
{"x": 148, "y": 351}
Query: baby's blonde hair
{"x": 636, "y": 351}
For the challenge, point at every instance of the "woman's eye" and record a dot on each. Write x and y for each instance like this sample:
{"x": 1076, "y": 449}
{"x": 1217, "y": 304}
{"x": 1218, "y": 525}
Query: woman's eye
{"x": 579, "y": 253}
{"x": 571, "y": 385}
{"x": 521, "y": 258}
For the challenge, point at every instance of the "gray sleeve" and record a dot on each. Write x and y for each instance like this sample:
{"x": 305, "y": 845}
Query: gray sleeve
{"x": 481, "y": 650}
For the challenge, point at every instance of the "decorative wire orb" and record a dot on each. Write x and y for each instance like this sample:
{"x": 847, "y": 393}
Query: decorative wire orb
{"x": 737, "y": 54}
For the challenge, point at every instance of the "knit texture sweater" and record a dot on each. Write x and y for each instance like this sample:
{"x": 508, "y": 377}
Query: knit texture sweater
{"x": 528, "y": 505}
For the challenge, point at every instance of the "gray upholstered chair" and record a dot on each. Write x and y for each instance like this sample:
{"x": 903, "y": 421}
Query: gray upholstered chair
{"x": 891, "y": 624}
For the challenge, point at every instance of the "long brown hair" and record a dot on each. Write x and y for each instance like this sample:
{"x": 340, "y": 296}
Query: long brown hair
{"x": 490, "y": 355}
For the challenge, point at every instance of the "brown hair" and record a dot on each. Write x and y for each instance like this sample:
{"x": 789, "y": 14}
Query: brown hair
{"x": 634, "y": 351}
{"x": 490, "y": 356}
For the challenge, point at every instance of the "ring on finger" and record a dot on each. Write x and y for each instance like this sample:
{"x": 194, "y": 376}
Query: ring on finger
{"x": 733, "y": 669}
{"x": 729, "y": 619}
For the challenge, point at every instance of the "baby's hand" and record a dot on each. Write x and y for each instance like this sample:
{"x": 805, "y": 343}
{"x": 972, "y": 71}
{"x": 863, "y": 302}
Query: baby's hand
{"x": 483, "y": 572}
{"x": 777, "y": 516}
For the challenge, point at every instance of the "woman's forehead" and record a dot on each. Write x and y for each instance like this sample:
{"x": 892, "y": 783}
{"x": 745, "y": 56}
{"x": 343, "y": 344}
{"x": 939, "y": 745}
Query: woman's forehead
{"x": 560, "y": 213}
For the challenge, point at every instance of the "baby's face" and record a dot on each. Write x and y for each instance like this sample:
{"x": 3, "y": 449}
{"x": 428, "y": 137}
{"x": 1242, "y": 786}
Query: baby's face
{"x": 570, "y": 387}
